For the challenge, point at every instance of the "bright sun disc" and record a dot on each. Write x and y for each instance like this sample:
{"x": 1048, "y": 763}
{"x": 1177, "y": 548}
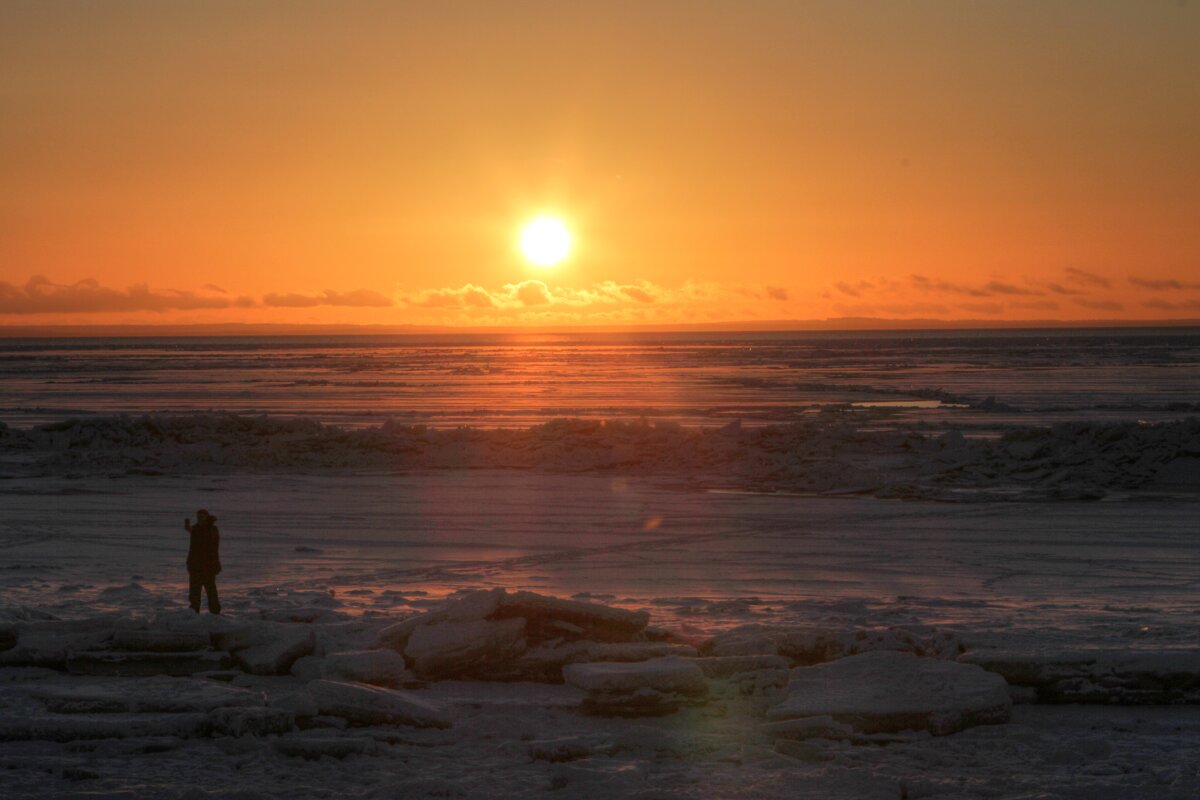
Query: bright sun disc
{"x": 545, "y": 241}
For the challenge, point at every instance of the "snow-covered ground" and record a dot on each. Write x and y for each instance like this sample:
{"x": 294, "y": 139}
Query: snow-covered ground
{"x": 1096, "y": 597}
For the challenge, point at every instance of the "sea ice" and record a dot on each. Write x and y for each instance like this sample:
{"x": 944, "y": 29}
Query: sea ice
{"x": 267, "y": 648}
{"x": 376, "y": 667}
{"x": 460, "y": 649}
{"x": 1097, "y": 676}
{"x": 643, "y": 688}
{"x": 145, "y": 695}
{"x": 128, "y": 664}
{"x": 160, "y": 641}
{"x": 883, "y": 692}
{"x": 361, "y": 704}
{"x": 553, "y": 617}
{"x": 825, "y": 454}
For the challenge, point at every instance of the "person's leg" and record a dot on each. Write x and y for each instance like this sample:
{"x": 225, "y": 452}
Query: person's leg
{"x": 210, "y": 588}
{"x": 194, "y": 585}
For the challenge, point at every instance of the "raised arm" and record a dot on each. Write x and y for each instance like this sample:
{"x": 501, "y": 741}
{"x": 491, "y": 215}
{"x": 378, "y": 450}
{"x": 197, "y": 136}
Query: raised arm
{"x": 187, "y": 524}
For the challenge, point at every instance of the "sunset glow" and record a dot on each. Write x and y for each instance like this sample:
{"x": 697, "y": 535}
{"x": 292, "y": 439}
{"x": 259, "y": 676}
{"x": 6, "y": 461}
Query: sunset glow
{"x": 167, "y": 163}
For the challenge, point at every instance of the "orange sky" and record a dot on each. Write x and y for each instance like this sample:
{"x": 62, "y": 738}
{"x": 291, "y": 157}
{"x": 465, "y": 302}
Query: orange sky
{"x": 371, "y": 162}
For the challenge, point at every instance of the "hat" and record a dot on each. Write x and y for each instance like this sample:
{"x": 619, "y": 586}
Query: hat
{"x": 203, "y": 514}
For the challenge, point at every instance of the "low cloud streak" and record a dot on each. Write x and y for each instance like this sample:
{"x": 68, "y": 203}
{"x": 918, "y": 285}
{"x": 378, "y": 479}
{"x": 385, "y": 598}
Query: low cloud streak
{"x": 989, "y": 289}
{"x": 1085, "y": 278}
{"x": 40, "y": 295}
{"x": 1163, "y": 285}
{"x": 359, "y": 298}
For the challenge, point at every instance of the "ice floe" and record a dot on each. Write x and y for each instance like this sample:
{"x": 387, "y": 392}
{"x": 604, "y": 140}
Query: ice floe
{"x": 885, "y": 692}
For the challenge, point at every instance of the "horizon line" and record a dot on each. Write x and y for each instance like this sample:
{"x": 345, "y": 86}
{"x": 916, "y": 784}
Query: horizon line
{"x": 831, "y": 325}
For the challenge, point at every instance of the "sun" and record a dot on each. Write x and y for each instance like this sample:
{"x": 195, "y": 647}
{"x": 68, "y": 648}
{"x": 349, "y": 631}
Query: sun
{"x": 545, "y": 241}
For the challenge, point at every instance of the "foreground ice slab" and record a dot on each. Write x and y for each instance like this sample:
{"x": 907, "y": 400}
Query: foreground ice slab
{"x": 644, "y": 688}
{"x": 267, "y": 648}
{"x": 128, "y": 664}
{"x": 884, "y": 692}
{"x": 361, "y": 704}
{"x": 457, "y": 649}
{"x": 376, "y": 667}
{"x": 56, "y": 708}
{"x": 551, "y": 617}
{"x": 160, "y": 641}
{"x": 155, "y": 694}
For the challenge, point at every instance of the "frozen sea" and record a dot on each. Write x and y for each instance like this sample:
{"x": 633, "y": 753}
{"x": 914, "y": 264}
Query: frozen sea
{"x": 696, "y": 379}
{"x": 389, "y": 524}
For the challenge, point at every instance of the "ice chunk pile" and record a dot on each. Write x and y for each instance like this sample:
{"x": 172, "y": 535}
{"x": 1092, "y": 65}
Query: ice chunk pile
{"x": 816, "y": 645}
{"x": 826, "y": 454}
{"x": 266, "y": 648}
{"x": 1097, "y": 676}
{"x": 1085, "y": 459}
{"x": 337, "y": 687}
{"x": 497, "y": 635}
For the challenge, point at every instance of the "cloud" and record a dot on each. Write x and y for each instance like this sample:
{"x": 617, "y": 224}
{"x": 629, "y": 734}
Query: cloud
{"x": 1099, "y": 305}
{"x": 1085, "y": 278}
{"x": 536, "y": 302}
{"x": 983, "y": 308}
{"x": 469, "y": 296}
{"x": 40, "y": 295}
{"x": 1167, "y": 305}
{"x": 926, "y": 284}
{"x": 611, "y": 292}
{"x": 290, "y": 300}
{"x": 359, "y": 298}
{"x": 212, "y": 287}
{"x": 1165, "y": 285}
{"x": 989, "y": 289}
{"x": 641, "y": 295}
{"x": 1058, "y": 288}
{"x": 854, "y": 290}
{"x": 996, "y": 287}
{"x": 892, "y": 309}
{"x": 1036, "y": 305}
{"x": 531, "y": 293}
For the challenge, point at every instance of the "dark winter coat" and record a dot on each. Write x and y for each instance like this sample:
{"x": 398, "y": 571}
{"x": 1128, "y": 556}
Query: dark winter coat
{"x": 204, "y": 553}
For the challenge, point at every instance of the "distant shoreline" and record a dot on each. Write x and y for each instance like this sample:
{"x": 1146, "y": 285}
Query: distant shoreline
{"x": 836, "y": 325}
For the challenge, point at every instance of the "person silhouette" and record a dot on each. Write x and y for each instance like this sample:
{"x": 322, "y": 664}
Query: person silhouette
{"x": 203, "y": 561}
